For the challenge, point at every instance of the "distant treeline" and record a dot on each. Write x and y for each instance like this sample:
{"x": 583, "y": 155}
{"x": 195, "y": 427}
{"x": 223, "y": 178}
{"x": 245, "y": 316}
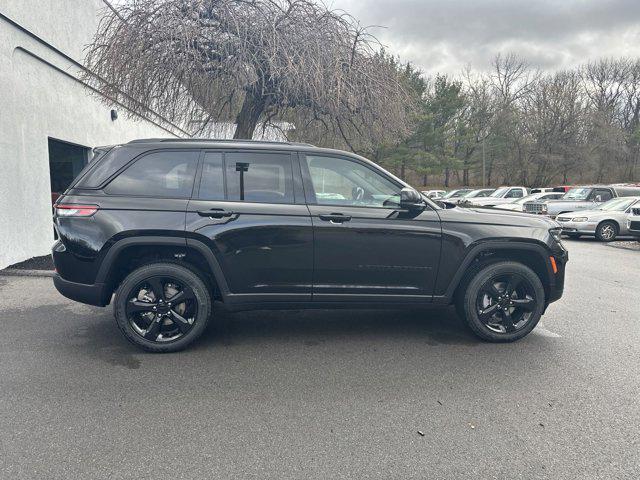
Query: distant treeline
{"x": 531, "y": 128}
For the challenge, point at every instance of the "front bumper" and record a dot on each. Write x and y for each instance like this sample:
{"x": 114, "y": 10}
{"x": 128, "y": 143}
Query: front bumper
{"x": 585, "y": 228}
{"x": 81, "y": 292}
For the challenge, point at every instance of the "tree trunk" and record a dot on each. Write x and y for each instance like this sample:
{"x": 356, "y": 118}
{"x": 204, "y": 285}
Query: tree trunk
{"x": 402, "y": 170}
{"x": 247, "y": 119}
{"x": 424, "y": 180}
{"x": 446, "y": 177}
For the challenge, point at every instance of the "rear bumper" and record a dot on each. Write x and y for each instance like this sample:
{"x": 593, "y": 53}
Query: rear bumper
{"x": 81, "y": 292}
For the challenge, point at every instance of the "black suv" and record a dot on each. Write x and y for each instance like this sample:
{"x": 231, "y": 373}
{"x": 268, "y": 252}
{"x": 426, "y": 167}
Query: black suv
{"x": 170, "y": 226}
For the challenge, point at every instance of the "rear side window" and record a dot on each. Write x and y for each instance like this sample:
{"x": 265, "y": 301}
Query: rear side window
{"x": 160, "y": 174}
{"x": 259, "y": 177}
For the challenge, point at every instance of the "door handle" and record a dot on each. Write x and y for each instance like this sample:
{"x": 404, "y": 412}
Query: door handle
{"x": 215, "y": 213}
{"x": 335, "y": 218}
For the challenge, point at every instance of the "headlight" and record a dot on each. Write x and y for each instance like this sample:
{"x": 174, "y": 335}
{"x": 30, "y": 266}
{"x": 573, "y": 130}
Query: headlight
{"x": 579, "y": 219}
{"x": 556, "y": 234}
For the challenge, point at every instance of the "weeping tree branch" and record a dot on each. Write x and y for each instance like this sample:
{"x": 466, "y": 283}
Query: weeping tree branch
{"x": 251, "y": 61}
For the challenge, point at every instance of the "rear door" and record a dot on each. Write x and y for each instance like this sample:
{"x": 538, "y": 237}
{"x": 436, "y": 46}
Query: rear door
{"x": 249, "y": 209}
{"x": 366, "y": 247}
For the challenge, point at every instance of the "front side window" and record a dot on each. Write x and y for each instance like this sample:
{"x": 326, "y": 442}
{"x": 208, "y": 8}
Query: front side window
{"x": 259, "y": 177}
{"x": 337, "y": 181}
{"x": 167, "y": 174}
{"x": 499, "y": 193}
{"x": 602, "y": 195}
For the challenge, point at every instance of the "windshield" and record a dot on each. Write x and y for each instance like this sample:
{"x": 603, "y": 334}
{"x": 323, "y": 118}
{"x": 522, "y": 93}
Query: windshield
{"x": 478, "y": 193}
{"x": 456, "y": 193}
{"x": 617, "y": 204}
{"x": 577, "y": 194}
{"x": 500, "y": 192}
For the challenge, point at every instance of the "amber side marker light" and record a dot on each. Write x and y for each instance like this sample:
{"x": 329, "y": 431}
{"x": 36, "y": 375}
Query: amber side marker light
{"x": 553, "y": 264}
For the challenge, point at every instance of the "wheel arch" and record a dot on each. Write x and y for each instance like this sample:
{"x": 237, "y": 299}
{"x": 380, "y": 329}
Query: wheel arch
{"x": 129, "y": 253}
{"x": 533, "y": 255}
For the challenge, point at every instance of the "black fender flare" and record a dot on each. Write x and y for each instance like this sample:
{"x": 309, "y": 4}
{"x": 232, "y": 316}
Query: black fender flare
{"x": 154, "y": 240}
{"x": 491, "y": 245}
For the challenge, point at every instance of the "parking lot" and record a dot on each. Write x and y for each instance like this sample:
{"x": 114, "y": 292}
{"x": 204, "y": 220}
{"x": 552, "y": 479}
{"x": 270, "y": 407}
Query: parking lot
{"x": 368, "y": 394}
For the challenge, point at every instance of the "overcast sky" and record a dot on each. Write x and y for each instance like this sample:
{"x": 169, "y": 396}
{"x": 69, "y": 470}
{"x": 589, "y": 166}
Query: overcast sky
{"x": 446, "y": 35}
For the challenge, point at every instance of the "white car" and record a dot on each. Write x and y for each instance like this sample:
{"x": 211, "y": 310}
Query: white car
{"x": 518, "y": 205}
{"x": 435, "y": 194}
{"x": 633, "y": 221}
{"x": 473, "y": 194}
{"x": 500, "y": 196}
{"x": 605, "y": 222}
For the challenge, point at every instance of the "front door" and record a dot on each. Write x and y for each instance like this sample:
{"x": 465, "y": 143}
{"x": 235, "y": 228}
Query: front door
{"x": 367, "y": 247}
{"x": 249, "y": 208}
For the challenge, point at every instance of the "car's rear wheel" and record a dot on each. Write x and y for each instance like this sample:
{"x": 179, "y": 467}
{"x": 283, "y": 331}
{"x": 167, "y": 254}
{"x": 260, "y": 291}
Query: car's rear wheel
{"x": 502, "y": 301}
{"x": 607, "y": 231}
{"x": 162, "y": 307}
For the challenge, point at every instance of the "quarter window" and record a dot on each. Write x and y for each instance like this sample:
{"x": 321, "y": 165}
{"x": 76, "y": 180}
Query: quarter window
{"x": 337, "y": 181}
{"x": 160, "y": 174}
{"x": 259, "y": 177}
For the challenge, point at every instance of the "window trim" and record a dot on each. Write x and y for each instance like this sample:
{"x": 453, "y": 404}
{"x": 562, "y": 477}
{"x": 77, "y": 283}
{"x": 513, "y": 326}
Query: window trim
{"x": 144, "y": 154}
{"x": 310, "y": 193}
{"x": 224, "y": 151}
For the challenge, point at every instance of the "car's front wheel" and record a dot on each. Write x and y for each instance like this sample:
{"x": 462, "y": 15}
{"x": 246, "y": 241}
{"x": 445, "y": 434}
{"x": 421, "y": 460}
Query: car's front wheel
{"x": 502, "y": 301}
{"x": 162, "y": 307}
{"x": 607, "y": 231}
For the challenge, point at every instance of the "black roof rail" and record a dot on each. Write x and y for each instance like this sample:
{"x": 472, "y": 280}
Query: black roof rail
{"x": 219, "y": 140}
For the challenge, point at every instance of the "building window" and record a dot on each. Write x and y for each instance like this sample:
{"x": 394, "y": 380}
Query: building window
{"x": 66, "y": 160}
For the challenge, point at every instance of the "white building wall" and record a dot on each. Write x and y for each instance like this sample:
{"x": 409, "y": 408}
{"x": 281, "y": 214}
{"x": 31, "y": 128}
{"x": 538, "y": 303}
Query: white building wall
{"x": 41, "y": 97}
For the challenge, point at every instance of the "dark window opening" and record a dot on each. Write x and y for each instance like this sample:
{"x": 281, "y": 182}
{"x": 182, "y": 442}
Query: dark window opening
{"x": 66, "y": 161}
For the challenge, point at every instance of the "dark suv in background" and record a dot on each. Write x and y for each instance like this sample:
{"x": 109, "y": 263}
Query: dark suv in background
{"x": 172, "y": 226}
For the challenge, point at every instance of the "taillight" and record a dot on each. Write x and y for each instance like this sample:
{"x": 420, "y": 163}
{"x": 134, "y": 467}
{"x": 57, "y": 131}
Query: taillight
{"x": 76, "y": 210}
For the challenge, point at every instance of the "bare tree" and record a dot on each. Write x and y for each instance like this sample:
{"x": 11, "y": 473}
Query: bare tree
{"x": 250, "y": 62}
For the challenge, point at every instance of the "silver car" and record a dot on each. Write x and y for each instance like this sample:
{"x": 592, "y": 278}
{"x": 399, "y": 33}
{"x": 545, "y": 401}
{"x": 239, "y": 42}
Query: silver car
{"x": 605, "y": 222}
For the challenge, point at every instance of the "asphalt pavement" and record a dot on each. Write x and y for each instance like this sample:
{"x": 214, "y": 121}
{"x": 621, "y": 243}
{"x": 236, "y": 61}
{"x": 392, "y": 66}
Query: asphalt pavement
{"x": 328, "y": 394}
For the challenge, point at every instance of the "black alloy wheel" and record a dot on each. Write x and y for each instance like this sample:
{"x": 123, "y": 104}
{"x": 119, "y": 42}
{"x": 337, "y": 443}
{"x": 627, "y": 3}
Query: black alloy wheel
{"x": 163, "y": 307}
{"x": 505, "y": 303}
{"x": 501, "y": 301}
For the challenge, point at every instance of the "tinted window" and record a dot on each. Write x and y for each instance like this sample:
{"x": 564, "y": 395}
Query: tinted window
{"x": 212, "y": 181}
{"x": 259, "y": 177}
{"x": 160, "y": 174}
{"x": 337, "y": 181}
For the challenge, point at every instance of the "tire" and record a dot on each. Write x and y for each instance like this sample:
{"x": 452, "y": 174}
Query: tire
{"x": 156, "y": 323}
{"x": 526, "y": 303}
{"x": 607, "y": 231}
{"x": 573, "y": 236}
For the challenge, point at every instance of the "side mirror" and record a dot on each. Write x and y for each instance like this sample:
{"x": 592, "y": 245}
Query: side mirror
{"x": 410, "y": 199}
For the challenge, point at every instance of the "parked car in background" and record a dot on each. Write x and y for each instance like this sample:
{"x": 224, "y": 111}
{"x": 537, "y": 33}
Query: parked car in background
{"x": 633, "y": 222}
{"x": 605, "y": 222}
{"x": 478, "y": 193}
{"x": 498, "y": 197}
{"x": 581, "y": 198}
{"x": 435, "y": 194}
{"x": 454, "y": 194}
{"x": 518, "y": 205}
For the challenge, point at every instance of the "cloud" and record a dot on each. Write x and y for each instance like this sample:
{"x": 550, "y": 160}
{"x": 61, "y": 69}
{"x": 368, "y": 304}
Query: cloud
{"x": 447, "y": 35}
